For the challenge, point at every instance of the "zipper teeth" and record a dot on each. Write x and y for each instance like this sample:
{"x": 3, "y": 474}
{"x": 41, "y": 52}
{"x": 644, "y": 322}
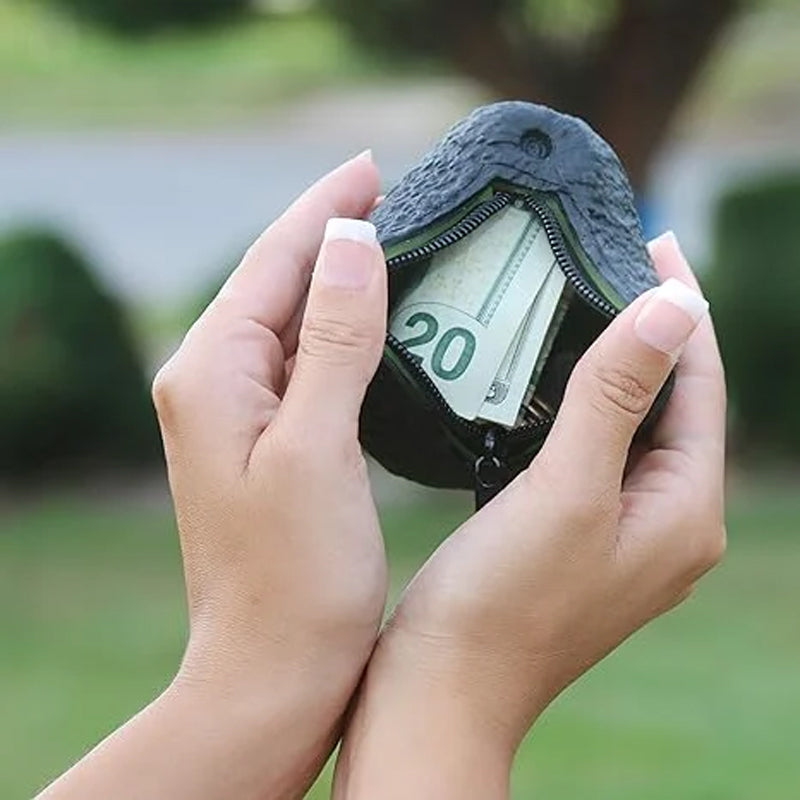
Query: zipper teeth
{"x": 470, "y": 223}
{"x": 462, "y": 229}
{"x": 426, "y": 379}
{"x": 556, "y": 240}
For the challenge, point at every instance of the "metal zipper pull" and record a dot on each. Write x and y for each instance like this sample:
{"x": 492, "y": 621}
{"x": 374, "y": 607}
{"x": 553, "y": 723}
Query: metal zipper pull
{"x": 491, "y": 472}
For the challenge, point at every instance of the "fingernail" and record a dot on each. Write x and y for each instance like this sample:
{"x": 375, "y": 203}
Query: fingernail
{"x": 670, "y": 316}
{"x": 366, "y": 155}
{"x": 344, "y": 268}
{"x": 353, "y": 230}
{"x": 667, "y": 237}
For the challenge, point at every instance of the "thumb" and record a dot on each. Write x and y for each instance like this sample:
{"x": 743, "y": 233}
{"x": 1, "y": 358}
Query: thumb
{"x": 342, "y": 333}
{"x": 613, "y": 386}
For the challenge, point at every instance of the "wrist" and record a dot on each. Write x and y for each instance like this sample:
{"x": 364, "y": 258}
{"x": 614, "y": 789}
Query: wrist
{"x": 309, "y": 673}
{"x": 501, "y": 689}
{"x": 442, "y": 744}
{"x": 277, "y": 729}
{"x": 251, "y": 649}
{"x": 285, "y": 694}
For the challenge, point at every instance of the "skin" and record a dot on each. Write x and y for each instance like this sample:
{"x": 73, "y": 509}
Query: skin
{"x": 283, "y": 555}
{"x": 284, "y": 562}
{"x": 583, "y": 549}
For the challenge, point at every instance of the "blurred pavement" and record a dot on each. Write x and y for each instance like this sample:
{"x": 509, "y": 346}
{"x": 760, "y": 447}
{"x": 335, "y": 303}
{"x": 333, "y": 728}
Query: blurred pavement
{"x": 163, "y": 213}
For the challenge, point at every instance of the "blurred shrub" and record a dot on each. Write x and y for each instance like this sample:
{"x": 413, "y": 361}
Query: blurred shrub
{"x": 754, "y": 289}
{"x": 71, "y": 386}
{"x": 137, "y": 17}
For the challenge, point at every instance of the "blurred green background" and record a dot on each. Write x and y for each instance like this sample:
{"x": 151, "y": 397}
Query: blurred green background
{"x": 143, "y": 144}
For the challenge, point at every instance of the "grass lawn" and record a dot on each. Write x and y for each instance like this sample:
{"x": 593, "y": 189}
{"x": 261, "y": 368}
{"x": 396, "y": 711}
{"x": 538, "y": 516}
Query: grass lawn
{"x": 703, "y": 705}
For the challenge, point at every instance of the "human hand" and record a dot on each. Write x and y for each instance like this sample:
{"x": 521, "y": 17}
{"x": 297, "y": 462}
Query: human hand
{"x": 284, "y": 561}
{"x": 583, "y": 548}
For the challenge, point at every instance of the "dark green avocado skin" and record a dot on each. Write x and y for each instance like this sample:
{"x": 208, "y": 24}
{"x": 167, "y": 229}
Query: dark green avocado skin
{"x": 535, "y": 148}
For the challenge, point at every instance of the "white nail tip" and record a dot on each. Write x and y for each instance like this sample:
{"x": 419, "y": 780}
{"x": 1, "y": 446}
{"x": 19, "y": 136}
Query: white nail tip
{"x": 667, "y": 236}
{"x": 353, "y": 230}
{"x": 686, "y": 299}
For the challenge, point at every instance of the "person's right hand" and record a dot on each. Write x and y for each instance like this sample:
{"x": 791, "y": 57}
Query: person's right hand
{"x": 282, "y": 550}
{"x": 580, "y": 551}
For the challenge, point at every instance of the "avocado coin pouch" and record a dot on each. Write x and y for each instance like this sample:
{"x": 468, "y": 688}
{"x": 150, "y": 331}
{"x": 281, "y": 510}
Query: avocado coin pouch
{"x": 505, "y": 165}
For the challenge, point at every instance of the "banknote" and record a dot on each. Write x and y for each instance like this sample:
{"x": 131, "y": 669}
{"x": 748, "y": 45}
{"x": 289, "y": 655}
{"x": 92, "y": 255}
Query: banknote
{"x": 509, "y": 386}
{"x": 470, "y": 320}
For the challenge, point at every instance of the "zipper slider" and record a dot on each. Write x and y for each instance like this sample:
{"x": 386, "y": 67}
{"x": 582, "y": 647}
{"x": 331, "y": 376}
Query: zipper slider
{"x": 491, "y": 472}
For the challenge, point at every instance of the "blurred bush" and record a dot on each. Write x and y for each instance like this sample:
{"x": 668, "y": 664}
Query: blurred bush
{"x": 71, "y": 386}
{"x": 754, "y": 289}
{"x": 137, "y": 17}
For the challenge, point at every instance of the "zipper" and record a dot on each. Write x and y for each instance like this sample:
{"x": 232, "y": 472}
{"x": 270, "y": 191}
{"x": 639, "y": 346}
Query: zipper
{"x": 556, "y": 239}
{"x": 491, "y": 470}
{"x": 459, "y": 231}
{"x": 492, "y": 473}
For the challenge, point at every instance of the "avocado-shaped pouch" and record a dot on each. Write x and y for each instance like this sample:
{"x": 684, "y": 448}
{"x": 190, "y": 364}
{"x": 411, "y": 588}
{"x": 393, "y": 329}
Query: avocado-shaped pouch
{"x": 509, "y": 248}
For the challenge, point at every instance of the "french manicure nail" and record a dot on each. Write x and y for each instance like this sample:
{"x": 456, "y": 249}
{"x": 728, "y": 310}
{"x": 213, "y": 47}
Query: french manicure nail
{"x": 669, "y": 316}
{"x": 354, "y": 230}
{"x": 666, "y": 236}
{"x": 344, "y": 268}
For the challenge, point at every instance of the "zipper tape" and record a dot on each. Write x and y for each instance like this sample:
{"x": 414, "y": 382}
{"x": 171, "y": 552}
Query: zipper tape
{"x": 486, "y": 445}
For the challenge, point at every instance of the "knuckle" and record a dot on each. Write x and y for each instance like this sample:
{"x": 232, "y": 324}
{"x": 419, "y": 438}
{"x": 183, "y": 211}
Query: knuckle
{"x": 333, "y": 340}
{"x": 703, "y": 547}
{"x": 711, "y": 549}
{"x": 169, "y": 391}
{"x": 620, "y": 389}
{"x": 163, "y": 388}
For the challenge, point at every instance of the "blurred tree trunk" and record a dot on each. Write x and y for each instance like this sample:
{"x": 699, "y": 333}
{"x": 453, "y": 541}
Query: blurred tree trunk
{"x": 627, "y": 80}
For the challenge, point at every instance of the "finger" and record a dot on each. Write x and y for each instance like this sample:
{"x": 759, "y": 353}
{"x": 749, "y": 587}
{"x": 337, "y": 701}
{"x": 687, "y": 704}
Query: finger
{"x": 291, "y": 332}
{"x": 615, "y": 383}
{"x": 274, "y": 275}
{"x": 695, "y": 416}
{"x": 220, "y": 390}
{"x": 341, "y": 338}
{"x": 669, "y": 260}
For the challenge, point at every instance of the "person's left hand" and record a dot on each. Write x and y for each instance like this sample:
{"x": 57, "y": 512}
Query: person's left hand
{"x": 581, "y": 550}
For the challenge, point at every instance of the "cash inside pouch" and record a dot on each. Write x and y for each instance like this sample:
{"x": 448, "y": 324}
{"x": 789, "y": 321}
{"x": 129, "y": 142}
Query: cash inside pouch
{"x": 490, "y": 309}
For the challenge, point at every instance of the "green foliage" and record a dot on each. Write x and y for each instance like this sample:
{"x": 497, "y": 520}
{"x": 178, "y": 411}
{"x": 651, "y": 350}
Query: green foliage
{"x": 71, "y": 386}
{"x": 755, "y": 295}
{"x": 571, "y": 18}
{"x": 136, "y": 17}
